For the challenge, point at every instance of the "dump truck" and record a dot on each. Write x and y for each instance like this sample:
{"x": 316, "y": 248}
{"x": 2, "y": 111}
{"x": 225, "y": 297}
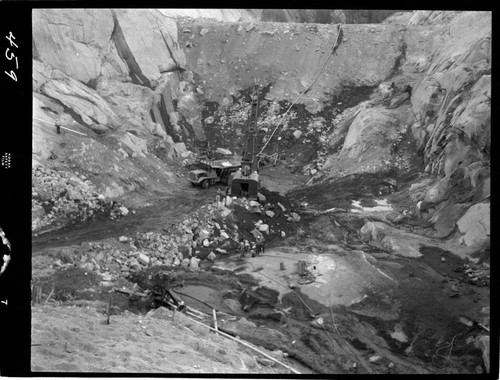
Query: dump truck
{"x": 211, "y": 172}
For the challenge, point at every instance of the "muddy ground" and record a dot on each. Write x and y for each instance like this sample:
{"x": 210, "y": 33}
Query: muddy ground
{"x": 362, "y": 309}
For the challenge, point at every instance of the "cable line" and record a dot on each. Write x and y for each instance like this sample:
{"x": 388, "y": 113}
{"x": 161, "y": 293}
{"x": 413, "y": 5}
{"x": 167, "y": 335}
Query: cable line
{"x": 334, "y": 49}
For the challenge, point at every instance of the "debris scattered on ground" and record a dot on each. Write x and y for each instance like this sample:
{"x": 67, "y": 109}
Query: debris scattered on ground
{"x": 60, "y": 197}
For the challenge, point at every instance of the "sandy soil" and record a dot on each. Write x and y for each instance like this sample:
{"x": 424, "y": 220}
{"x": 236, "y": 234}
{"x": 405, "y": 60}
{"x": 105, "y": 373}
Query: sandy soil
{"x": 77, "y": 339}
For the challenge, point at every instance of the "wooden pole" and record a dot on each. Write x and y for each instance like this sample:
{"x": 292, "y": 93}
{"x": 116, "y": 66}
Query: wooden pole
{"x": 50, "y": 295}
{"x": 215, "y": 320}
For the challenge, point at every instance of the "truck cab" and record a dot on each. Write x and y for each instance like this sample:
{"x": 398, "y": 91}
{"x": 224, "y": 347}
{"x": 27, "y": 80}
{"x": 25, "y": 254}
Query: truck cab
{"x": 200, "y": 177}
{"x": 211, "y": 172}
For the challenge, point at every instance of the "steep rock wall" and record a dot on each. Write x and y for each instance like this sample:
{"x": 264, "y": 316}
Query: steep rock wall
{"x": 147, "y": 42}
{"x": 77, "y": 42}
{"x": 453, "y": 100}
{"x": 87, "y": 43}
{"x": 99, "y": 73}
{"x": 452, "y": 105}
{"x": 450, "y": 120}
{"x": 229, "y": 15}
{"x": 107, "y": 68}
{"x": 111, "y": 47}
{"x": 232, "y": 56}
{"x": 319, "y": 16}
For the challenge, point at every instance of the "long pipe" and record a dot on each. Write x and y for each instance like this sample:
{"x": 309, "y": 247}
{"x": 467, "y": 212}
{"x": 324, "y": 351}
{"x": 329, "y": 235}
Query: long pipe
{"x": 246, "y": 345}
{"x": 216, "y": 330}
{"x": 48, "y": 122}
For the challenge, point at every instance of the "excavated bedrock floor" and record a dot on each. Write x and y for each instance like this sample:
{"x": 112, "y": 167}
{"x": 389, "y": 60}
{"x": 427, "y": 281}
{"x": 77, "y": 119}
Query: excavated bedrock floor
{"x": 364, "y": 311}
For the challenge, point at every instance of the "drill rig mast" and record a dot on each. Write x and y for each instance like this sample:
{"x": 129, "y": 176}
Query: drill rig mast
{"x": 245, "y": 182}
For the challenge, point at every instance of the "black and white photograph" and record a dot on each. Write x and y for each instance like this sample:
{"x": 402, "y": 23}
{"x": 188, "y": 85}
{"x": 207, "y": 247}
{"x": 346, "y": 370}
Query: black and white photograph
{"x": 268, "y": 192}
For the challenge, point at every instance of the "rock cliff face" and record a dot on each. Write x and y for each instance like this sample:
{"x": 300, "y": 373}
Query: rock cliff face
{"x": 231, "y": 57}
{"x": 326, "y": 16}
{"x": 410, "y": 95}
{"x": 317, "y": 16}
{"x": 94, "y": 70}
{"x": 452, "y": 105}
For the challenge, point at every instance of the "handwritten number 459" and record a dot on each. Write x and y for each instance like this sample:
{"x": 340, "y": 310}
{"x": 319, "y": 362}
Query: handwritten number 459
{"x": 10, "y": 56}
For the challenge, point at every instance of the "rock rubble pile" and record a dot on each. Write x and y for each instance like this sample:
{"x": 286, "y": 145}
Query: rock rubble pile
{"x": 62, "y": 197}
{"x": 212, "y": 231}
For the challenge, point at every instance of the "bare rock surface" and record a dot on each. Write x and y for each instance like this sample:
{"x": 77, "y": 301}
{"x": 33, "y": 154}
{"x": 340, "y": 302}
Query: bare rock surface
{"x": 83, "y": 33}
{"x": 152, "y": 50}
{"x": 253, "y": 54}
{"x": 475, "y": 225}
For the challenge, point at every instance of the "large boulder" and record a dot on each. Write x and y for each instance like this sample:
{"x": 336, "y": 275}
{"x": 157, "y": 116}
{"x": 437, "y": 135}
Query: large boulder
{"x": 475, "y": 225}
{"x": 194, "y": 263}
{"x": 204, "y": 234}
{"x": 371, "y": 128}
{"x": 446, "y": 217}
{"x": 368, "y": 144}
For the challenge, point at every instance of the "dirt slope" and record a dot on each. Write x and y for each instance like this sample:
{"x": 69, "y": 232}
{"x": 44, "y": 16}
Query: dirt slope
{"x": 77, "y": 339}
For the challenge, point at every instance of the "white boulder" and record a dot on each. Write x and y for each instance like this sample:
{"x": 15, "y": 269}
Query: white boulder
{"x": 143, "y": 258}
{"x": 475, "y": 225}
{"x": 270, "y": 213}
{"x": 204, "y": 234}
{"x": 264, "y": 228}
{"x": 211, "y": 256}
{"x": 194, "y": 263}
{"x": 225, "y": 152}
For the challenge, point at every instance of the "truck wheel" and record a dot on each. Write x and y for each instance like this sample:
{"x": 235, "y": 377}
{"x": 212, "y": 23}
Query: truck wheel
{"x": 205, "y": 184}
